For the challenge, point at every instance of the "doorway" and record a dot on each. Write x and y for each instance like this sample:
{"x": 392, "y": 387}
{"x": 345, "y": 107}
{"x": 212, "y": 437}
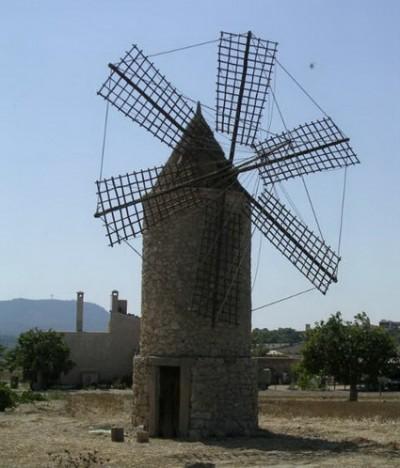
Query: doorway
{"x": 169, "y": 400}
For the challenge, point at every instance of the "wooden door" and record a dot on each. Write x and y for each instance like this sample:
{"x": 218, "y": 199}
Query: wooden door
{"x": 169, "y": 401}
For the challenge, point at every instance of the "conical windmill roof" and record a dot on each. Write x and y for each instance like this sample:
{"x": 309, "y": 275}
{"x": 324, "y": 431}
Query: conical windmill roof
{"x": 198, "y": 152}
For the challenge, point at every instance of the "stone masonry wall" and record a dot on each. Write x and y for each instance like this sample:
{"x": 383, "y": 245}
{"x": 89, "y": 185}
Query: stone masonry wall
{"x": 141, "y": 404}
{"x": 224, "y": 397}
{"x": 170, "y": 254}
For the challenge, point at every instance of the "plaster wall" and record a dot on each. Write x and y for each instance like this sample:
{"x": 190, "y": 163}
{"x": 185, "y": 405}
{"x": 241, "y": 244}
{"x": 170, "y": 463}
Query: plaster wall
{"x": 107, "y": 354}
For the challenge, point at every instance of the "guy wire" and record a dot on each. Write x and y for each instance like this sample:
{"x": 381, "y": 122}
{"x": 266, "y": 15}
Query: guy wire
{"x": 283, "y": 299}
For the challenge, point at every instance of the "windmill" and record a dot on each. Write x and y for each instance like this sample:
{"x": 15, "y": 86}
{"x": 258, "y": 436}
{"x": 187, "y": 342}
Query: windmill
{"x": 199, "y": 178}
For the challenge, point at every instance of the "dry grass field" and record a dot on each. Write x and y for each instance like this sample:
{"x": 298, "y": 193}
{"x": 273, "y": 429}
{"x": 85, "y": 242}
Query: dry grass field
{"x": 297, "y": 429}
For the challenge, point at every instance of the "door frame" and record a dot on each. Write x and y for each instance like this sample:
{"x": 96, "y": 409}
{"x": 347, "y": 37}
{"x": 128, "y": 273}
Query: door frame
{"x": 185, "y": 365}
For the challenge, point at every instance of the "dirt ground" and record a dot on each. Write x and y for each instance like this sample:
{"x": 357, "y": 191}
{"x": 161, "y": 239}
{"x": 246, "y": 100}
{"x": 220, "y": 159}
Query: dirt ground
{"x": 297, "y": 429}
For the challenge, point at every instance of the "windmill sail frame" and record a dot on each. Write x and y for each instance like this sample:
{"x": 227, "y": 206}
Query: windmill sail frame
{"x": 132, "y": 203}
{"x": 313, "y": 147}
{"x": 306, "y": 251}
{"x": 138, "y": 90}
{"x": 245, "y": 65}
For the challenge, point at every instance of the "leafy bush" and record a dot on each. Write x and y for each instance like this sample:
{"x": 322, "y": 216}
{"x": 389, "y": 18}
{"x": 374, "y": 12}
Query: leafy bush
{"x": 308, "y": 381}
{"x": 304, "y": 379}
{"x": 30, "y": 397}
{"x": 8, "y": 398}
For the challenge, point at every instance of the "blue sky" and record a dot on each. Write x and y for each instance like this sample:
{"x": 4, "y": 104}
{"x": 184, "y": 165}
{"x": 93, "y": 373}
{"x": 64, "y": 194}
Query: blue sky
{"x": 54, "y": 57}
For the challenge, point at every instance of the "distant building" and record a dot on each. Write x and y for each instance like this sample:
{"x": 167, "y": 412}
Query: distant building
{"x": 280, "y": 366}
{"x": 102, "y": 357}
{"x": 389, "y": 325}
{"x": 272, "y": 346}
{"x": 280, "y": 363}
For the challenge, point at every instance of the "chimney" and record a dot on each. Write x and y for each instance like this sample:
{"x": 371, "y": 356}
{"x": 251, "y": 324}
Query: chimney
{"x": 308, "y": 327}
{"x": 79, "y": 311}
{"x": 114, "y": 301}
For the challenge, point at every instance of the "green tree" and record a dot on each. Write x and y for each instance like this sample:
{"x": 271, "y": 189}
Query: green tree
{"x": 10, "y": 360}
{"x": 348, "y": 351}
{"x": 43, "y": 356}
{"x": 2, "y": 357}
{"x": 281, "y": 335}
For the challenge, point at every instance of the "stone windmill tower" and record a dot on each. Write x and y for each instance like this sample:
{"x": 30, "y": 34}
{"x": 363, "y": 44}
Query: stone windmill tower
{"x": 194, "y": 375}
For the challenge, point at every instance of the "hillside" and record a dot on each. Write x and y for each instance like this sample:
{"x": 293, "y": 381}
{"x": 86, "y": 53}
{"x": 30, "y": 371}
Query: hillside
{"x": 18, "y": 315}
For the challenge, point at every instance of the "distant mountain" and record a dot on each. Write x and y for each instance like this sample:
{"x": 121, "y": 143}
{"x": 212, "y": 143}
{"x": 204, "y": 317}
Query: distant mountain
{"x": 18, "y": 315}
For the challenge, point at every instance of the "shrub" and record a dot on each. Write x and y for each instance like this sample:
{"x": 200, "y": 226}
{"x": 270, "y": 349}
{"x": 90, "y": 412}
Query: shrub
{"x": 305, "y": 380}
{"x": 8, "y": 398}
{"x": 30, "y": 397}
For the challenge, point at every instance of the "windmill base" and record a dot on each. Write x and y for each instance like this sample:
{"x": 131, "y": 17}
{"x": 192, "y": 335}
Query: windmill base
{"x": 195, "y": 397}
